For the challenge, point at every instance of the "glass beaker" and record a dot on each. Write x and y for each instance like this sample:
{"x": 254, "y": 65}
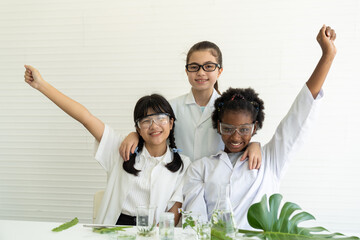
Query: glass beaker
{"x": 222, "y": 218}
{"x": 145, "y": 221}
{"x": 166, "y": 226}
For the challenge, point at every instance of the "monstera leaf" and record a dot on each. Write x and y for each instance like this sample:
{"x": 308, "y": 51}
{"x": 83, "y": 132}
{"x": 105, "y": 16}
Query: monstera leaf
{"x": 283, "y": 225}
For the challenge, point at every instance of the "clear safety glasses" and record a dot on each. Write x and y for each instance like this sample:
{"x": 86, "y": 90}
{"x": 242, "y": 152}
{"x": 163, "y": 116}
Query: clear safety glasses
{"x": 242, "y": 130}
{"x": 158, "y": 118}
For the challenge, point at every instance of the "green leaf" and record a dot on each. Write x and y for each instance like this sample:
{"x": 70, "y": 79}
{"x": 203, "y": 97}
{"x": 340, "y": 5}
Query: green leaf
{"x": 66, "y": 225}
{"x": 282, "y": 227}
{"x": 285, "y": 214}
{"x": 218, "y": 235}
{"x": 274, "y": 203}
{"x": 110, "y": 230}
{"x": 258, "y": 215}
{"x": 126, "y": 237}
{"x": 300, "y": 217}
{"x": 189, "y": 221}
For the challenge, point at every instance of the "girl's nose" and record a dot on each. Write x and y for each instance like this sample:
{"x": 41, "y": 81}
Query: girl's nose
{"x": 153, "y": 123}
{"x": 236, "y": 135}
{"x": 200, "y": 72}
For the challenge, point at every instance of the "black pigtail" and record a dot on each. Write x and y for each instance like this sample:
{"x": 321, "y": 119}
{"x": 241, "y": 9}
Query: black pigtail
{"x": 176, "y": 163}
{"x": 129, "y": 165}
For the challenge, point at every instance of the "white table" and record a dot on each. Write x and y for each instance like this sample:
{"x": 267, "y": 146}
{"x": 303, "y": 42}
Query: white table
{"x": 29, "y": 230}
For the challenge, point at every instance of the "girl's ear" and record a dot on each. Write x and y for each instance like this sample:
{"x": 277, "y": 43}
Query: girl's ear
{"x": 171, "y": 123}
{"x": 138, "y": 131}
{"x": 218, "y": 127}
{"x": 255, "y": 128}
{"x": 220, "y": 71}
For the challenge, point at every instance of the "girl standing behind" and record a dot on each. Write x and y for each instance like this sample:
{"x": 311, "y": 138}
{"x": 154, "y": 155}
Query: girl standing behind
{"x": 154, "y": 176}
{"x": 194, "y": 133}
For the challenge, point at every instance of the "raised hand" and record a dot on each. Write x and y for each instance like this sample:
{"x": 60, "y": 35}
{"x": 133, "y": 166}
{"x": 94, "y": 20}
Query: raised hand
{"x": 71, "y": 107}
{"x": 33, "y": 77}
{"x": 326, "y": 38}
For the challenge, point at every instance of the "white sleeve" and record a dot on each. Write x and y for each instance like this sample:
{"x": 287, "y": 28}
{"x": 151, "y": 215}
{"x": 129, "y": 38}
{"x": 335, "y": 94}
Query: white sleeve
{"x": 108, "y": 148}
{"x": 291, "y": 132}
{"x": 194, "y": 191}
{"x": 178, "y": 193}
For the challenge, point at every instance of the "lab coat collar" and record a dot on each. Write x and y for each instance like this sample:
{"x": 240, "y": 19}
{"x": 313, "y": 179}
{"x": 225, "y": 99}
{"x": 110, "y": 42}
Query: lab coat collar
{"x": 223, "y": 156}
{"x": 190, "y": 99}
{"x": 208, "y": 108}
{"x": 144, "y": 154}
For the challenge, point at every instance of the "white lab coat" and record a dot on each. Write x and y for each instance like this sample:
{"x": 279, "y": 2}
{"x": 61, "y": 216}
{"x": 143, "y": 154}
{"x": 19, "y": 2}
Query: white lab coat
{"x": 248, "y": 186}
{"x": 194, "y": 133}
{"x": 166, "y": 186}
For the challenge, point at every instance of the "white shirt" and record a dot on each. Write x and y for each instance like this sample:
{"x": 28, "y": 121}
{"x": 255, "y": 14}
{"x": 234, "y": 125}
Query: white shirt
{"x": 140, "y": 192}
{"x": 165, "y": 186}
{"x": 194, "y": 133}
{"x": 249, "y": 186}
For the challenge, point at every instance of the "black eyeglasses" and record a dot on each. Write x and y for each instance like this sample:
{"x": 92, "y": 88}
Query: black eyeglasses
{"x": 207, "y": 67}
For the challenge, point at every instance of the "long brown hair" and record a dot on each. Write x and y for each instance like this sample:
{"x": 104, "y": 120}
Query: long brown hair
{"x": 214, "y": 50}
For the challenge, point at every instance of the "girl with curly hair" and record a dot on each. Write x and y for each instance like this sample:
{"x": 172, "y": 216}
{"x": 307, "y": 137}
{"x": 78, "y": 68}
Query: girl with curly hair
{"x": 238, "y": 115}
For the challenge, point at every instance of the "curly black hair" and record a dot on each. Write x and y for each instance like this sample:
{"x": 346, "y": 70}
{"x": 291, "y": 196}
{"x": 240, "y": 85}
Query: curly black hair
{"x": 158, "y": 104}
{"x": 238, "y": 100}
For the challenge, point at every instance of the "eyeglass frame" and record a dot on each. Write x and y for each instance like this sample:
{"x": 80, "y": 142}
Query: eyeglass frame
{"x": 235, "y": 129}
{"x": 202, "y": 66}
{"x": 152, "y": 120}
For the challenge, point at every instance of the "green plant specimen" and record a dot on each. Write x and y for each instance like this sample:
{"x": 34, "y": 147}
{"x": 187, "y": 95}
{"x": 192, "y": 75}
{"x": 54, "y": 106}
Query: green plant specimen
{"x": 189, "y": 221}
{"x": 109, "y": 230}
{"x": 285, "y": 226}
{"x": 66, "y": 225}
{"x": 218, "y": 235}
{"x": 145, "y": 232}
{"x": 126, "y": 237}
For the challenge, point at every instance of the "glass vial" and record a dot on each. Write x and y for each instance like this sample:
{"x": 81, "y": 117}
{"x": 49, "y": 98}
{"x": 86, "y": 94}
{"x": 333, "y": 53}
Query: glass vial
{"x": 166, "y": 226}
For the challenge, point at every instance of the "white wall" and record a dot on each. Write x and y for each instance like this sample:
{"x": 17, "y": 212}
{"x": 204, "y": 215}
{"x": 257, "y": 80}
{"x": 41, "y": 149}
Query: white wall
{"x": 106, "y": 54}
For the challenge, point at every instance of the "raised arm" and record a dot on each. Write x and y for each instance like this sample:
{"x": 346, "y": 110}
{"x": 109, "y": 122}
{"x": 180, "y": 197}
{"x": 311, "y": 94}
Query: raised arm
{"x": 295, "y": 127}
{"x": 326, "y": 38}
{"x": 72, "y": 108}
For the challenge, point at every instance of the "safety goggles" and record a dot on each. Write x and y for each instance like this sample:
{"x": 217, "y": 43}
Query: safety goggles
{"x": 242, "y": 130}
{"x": 158, "y": 118}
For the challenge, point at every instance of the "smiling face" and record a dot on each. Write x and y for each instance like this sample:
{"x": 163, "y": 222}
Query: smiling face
{"x": 201, "y": 80}
{"x": 235, "y": 142}
{"x": 156, "y": 134}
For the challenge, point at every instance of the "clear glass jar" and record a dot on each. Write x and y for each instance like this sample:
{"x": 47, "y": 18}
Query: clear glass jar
{"x": 166, "y": 226}
{"x": 145, "y": 221}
